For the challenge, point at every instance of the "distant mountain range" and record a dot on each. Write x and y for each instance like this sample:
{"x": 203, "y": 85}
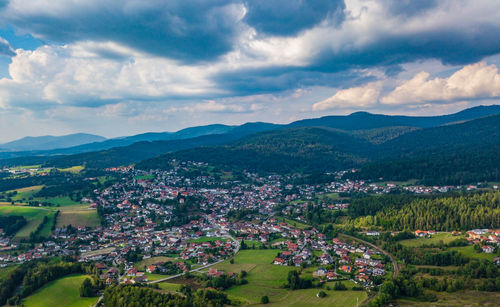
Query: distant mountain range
{"x": 313, "y": 145}
{"x": 451, "y": 154}
{"x": 49, "y": 142}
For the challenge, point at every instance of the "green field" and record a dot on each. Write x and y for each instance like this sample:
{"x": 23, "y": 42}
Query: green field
{"x": 398, "y": 183}
{"x": 147, "y": 262}
{"x": 5, "y": 271}
{"x": 47, "y": 228}
{"x": 469, "y": 252}
{"x": 33, "y": 215}
{"x": 207, "y": 239}
{"x": 446, "y": 237}
{"x": 25, "y": 194}
{"x": 77, "y": 216}
{"x": 459, "y": 298}
{"x": 74, "y": 169}
{"x": 293, "y": 223}
{"x": 263, "y": 277}
{"x": 61, "y": 292}
{"x": 307, "y": 298}
{"x": 145, "y": 177}
{"x": 268, "y": 279}
{"x": 153, "y": 277}
{"x": 169, "y": 286}
{"x": 62, "y": 201}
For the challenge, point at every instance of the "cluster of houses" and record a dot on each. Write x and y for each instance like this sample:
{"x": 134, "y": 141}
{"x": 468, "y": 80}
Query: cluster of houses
{"x": 488, "y": 239}
{"x": 337, "y": 260}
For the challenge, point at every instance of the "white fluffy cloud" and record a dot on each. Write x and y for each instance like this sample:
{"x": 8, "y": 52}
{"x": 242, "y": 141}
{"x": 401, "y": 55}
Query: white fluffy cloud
{"x": 355, "y": 97}
{"x": 78, "y": 75}
{"x": 471, "y": 82}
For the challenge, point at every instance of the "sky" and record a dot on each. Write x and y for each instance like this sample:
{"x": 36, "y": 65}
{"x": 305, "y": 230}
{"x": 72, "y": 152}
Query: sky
{"x": 116, "y": 68}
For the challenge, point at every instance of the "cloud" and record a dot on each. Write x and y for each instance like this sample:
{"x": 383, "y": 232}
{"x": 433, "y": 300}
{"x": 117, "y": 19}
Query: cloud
{"x": 5, "y": 48}
{"x": 355, "y": 97}
{"x": 471, "y": 82}
{"x": 187, "y": 30}
{"x": 78, "y": 75}
{"x": 288, "y": 17}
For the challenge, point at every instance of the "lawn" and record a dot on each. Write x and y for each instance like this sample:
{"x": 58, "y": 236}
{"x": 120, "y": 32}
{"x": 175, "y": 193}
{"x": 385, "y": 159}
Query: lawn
{"x": 74, "y": 169}
{"x": 33, "y": 215}
{"x": 5, "y": 271}
{"x": 459, "y": 298}
{"x": 169, "y": 286}
{"x": 25, "y": 194}
{"x": 207, "y": 239}
{"x": 77, "y": 216}
{"x": 253, "y": 243}
{"x": 61, "y": 292}
{"x": 293, "y": 223}
{"x": 47, "y": 228}
{"x": 446, "y": 237}
{"x": 153, "y": 277}
{"x": 147, "y": 262}
{"x": 263, "y": 277}
{"x": 145, "y": 177}
{"x": 62, "y": 201}
{"x": 307, "y": 297}
{"x": 469, "y": 252}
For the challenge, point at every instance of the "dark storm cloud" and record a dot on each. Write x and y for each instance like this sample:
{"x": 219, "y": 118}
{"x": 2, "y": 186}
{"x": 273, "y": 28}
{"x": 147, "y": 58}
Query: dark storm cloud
{"x": 450, "y": 46}
{"x": 187, "y": 30}
{"x": 273, "y": 80}
{"x": 288, "y": 17}
{"x": 200, "y": 30}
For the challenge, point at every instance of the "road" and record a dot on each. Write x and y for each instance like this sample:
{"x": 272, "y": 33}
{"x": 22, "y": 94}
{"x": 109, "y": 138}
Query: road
{"x": 237, "y": 249}
{"x": 228, "y": 236}
{"x": 394, "y": 263}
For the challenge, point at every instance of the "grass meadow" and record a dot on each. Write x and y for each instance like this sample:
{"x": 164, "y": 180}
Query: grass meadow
{"x": 62, "y": 292}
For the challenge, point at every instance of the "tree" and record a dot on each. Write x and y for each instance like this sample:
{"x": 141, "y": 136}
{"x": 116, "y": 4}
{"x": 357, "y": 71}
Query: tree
{"x": 86, "y": 288}
{"x": 264, "y": 299}
{"x": 339, "y": 286}
{"x": 321, "y": 294}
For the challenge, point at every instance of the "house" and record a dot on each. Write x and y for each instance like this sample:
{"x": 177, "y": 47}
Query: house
{"x": 131, "y": 272}
{"x": 151, "y": 269}
{"x": 320, "y": 272}
{"x": 331, "y": 275}
{"x": 279, "y": 261}
{"x": 363, "y": 277}
{"x": 140, "y": 279}
{"x": 214, "y": 272}
{"x": 345, "y": 268}
{"x": 488, "y": 249}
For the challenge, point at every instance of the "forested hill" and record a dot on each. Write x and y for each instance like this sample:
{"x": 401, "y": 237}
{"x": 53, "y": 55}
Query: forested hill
{"x": 454, "y": 154}
{"x": 300, "y": 149}
{"x": 441, "y": 213}
{"x": 136, "y": 152}
{"x": 457, "y": 153}
{"x": 364, "y": 120}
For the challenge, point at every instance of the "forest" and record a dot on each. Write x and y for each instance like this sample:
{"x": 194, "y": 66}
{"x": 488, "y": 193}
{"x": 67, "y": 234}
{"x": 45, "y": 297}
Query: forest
{"x": 134, "y": 296}
{"x": 444, "y": 213}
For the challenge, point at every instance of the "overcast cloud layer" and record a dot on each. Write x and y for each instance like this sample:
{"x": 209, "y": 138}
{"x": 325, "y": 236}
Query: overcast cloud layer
{"x": 122, "y": 67}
